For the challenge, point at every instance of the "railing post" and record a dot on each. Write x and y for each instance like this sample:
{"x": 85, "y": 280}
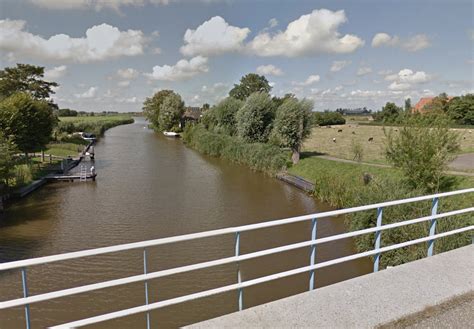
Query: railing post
{"x": 145, "y": 271}
{"x": 239, "y": 278}
{"x": 25, "y": 294}
{"x": 434, "y": 210}
{"x": 312, "y": 256}
{"x": 378, "y": 237}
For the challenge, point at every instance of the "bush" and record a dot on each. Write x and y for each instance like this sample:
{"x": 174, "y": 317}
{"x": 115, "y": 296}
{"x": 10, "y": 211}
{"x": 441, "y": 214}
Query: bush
{"x": 225, "y": 113}
{"x": 422, "y": 150}
{"x": 258, "y": 156}
{"x": 327, "y": 118}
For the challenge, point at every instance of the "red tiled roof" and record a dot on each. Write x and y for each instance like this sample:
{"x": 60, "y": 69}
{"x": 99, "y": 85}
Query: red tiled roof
{"x": 420, "y": 106}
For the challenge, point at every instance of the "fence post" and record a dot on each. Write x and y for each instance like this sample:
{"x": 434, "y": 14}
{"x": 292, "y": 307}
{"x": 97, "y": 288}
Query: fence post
{"x": 378, "y": 236}
{"x": 434, "y": 210}
{"x": 146, "y": 287}
{"x": 239, "y": 278}
{"x": 312, "y": 257}
{"x": 25, "y": 294}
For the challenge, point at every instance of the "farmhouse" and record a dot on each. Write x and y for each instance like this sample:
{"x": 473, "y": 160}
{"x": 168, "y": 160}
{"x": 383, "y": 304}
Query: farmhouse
{"x": 191, "y": 114}
{"x": 421, "y": 106}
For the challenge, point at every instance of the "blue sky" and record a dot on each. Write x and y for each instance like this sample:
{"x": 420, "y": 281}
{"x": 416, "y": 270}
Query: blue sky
{"x": 111, "y": 54}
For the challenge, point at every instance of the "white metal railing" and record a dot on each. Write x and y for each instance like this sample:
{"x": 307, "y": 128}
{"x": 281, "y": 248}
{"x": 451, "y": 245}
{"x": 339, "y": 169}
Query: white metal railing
{"x": 240, "y": 285}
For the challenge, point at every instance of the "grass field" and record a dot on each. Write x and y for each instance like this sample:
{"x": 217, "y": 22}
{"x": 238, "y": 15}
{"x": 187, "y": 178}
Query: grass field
{"x": 97, "y": 118}
{"x": 321, "y": 141}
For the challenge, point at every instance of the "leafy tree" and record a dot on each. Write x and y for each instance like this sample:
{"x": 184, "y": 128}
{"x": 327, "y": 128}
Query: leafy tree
{"x": 461, "y": 109}
{"x": 279, "y": 100}
{"x": 25, "y": 78}
{"x": 390, "y": 113}
{"x": 254, "y": 119}
{"x": 7, "y": 153}
{"x": 408, "y": 105}
{"x": 171, "y": 111}
{"x": 67, "y": 113}
{"x": 205, "y": 107}
{"x": 422, "y": 150}
{"x": 29, "y": 121}
{"x": 438, "y": 105}
{"x": 151, "y": 106}
{"x": 292, "y": 125}
{"x": 250, "y": 84}
{"x": 225, "y": 113}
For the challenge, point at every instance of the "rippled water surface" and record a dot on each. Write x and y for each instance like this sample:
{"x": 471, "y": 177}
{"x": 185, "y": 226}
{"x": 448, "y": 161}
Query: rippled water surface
{"x": 150, "y": 187}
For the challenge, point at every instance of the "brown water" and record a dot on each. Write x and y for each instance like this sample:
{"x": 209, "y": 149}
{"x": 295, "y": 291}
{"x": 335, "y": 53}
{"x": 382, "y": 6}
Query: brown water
{"x": 151, "y": 187}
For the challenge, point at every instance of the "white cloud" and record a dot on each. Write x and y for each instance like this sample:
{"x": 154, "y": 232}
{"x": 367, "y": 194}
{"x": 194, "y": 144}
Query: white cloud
{"x": 269, "y": 70}
{"x": 273, "y": 22}
{"x": 182, "y": 70}
{"x": 156, "y": 51}
{"x": 89, "y": 93}
{"x": 101, "y": 42}
{"x": 55, "y": 73}
{"x": 415, "y": 43}
{"x": 311, "y": 34}
{"x": 312, "y": 79}
{"x": 364, "y": 70}
{"x": 406, "y": 79}
{"x": 213, "y": 37}
{"x": 339, "y": 65}
{"x": 128, "y": 73}
{"x": 124, "y": 83}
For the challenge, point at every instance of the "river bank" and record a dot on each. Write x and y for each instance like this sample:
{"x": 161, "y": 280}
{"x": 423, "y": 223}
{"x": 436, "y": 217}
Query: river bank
{"x": 63, "y": 157}
{"x": 345, "y": 185}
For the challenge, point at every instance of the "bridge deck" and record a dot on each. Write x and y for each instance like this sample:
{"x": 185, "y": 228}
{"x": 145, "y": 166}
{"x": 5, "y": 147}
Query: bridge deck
{"x": 367, "y": 301}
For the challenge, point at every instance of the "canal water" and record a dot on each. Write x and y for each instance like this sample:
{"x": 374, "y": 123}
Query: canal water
{"x": 149, "y": 187}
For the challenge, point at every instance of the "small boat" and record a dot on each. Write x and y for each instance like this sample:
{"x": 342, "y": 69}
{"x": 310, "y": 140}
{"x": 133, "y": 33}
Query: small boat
{"x": 170, "y": 134}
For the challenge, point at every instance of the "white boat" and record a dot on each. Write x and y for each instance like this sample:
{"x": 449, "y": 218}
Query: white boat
{"x": 170, "y": 134}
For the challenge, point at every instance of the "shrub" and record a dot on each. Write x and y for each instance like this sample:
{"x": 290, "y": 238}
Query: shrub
{"x": 258, "y": 156}
{"x": 327, "y": 118}
{"x": 422, "y": 150}
{"x": 225, "y": 113}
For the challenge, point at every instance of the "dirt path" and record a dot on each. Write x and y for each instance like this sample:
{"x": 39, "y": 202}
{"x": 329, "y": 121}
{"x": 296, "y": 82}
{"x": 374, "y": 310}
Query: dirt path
{"x": 463, "y": 162}
{"x": 467, "y": 161}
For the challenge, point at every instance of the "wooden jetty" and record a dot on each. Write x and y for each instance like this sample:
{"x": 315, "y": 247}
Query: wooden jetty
{"x": 70, "y": 178}
{"x": 297, "y": 181}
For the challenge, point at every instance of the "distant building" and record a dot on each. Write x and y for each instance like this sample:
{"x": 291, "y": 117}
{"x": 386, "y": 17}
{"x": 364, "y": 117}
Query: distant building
{"x": 423, "y": 102}
{"x": 191, "y": 114}
{"x": 357, "y": 111}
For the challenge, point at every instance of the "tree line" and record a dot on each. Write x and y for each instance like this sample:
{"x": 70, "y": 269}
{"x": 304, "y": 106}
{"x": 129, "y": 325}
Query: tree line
{"x": 249, "y": 113}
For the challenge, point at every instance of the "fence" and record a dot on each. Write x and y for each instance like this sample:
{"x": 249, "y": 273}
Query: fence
{"x": 239, "y": 286}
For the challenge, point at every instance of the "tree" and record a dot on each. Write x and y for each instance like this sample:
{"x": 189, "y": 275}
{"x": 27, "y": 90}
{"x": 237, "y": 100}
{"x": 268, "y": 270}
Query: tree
{"x": 250, "y": 84}
{"x": 7, "y": 153}
{"x": 461, "y": 109}
{"x": 25, "y": 78}
{"x": 390, "y": 113}
{"x": 254, "y": 119}
{"x": 408, "y": 105}
{"x": 67, "y": 113}
{"x": 225, "y": 114}
{"x": 292, "y": 125}
{"x": 422, "y": 150}
{"x": 171, "y": 111}
{"x": 279, "y": 100}
{"x": 205, "y": 107}
{"x": 151, "y": 106}
{"x": 29, "y": 121}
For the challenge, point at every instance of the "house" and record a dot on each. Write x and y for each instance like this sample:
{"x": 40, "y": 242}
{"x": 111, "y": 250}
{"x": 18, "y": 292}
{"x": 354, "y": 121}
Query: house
{"x": 424, "y": 101}
{"x": 191, "y": 114}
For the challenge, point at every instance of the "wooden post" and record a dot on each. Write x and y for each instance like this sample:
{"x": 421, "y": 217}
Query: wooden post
{"x": 50, "y": 158}
{"x": 42, "y": 155}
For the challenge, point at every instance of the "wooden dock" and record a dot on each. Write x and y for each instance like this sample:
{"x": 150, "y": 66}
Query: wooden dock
{"x": 297, "y": 181}
{"x": 69, "y": 178}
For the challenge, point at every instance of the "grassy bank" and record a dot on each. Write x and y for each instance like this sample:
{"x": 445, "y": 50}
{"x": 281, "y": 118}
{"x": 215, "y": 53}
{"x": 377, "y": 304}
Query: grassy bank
{"x": 258, "y": 156}
{"x": 342, "y": 185}
{"x": 92, "y": 124}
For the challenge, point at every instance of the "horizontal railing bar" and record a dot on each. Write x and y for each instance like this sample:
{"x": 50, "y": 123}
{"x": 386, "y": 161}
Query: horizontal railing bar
{"x": 193, "y": 236}
{"x": 215, "y": 291}
{"x": 217, "y": 262}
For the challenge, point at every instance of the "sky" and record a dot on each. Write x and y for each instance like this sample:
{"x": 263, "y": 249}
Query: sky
{"x": 109, "y": 55}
